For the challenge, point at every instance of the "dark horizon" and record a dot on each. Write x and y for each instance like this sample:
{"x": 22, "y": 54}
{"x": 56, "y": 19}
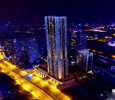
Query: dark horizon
{"x": 33, "y": 12}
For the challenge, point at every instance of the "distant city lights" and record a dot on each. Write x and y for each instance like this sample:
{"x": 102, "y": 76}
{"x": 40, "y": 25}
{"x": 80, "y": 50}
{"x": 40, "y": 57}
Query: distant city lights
{"x": 103, "y": 61}
{"x": 111, "y": 43}
{"x": 113, "y": 56}
{"x": 112, "y": 68}
{"x": 113, "y": 91}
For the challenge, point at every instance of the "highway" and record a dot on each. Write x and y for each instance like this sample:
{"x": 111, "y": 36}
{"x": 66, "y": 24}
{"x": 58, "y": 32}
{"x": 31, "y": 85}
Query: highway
{"x": 39, "y": 88}
{"x": 34, "y": 90}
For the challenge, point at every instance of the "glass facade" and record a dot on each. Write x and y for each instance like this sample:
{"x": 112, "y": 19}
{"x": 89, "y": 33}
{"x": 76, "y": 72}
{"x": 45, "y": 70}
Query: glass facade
{"x": 85, "y": 60}
{"x": 56, "y": 35}
{"x": 32, "y": 48}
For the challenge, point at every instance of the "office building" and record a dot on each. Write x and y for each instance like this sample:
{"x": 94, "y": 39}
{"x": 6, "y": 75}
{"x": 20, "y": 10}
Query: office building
{"x": 85, "y": 60}
{"x": 80, "y": 40}
{"x": 72, "y": 57}
{"x": 22, "y": 48}
{"x": 32, "y": 48}
{"x": 56, "y": 35}
{"x": 8, "y": 46}
{"x": 19, "y": 47}
{"x": 78, "y": 43}
{"x": 26, "y": 46}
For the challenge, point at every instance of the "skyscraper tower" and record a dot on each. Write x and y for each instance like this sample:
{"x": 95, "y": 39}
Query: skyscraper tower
{"x": 78, "y": 43}
{"x": 56, "y": 35}
{"x": 80, "y": 40}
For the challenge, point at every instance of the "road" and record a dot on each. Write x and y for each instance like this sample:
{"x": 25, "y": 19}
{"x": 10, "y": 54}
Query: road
{"x": 35, "y": 91}
{"x": 39, "y": 88}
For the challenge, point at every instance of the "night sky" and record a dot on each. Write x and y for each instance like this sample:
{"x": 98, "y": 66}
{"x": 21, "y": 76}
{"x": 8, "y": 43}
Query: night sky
{"x": 78, "y": 11}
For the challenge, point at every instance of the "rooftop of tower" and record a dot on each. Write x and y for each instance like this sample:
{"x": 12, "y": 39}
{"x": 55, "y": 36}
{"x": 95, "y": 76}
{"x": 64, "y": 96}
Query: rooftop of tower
{"x": 56, "y": 16}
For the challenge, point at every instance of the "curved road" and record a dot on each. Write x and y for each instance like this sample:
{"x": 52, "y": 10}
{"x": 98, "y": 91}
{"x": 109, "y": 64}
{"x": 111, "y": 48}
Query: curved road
{"x": 35, "y": 91}
{"x": 38, "y": 87}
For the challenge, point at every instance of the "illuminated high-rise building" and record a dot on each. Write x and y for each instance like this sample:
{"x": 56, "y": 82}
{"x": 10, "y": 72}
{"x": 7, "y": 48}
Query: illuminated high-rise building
{"x": 9, "y": 47}
{"x": 78, "y": 43}
{"x": 32, "y": 48}
{"x": 56, "y": 35}
{"x": 27, "y": 46}
{"x": 80, "y": 40}
{"x": 85, "y": 60}
{"x": 19, "y": 47}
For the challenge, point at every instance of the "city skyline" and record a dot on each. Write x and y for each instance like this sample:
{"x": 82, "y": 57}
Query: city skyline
{"x": 57, "y": 50}
{"x": 58, "y": 63}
